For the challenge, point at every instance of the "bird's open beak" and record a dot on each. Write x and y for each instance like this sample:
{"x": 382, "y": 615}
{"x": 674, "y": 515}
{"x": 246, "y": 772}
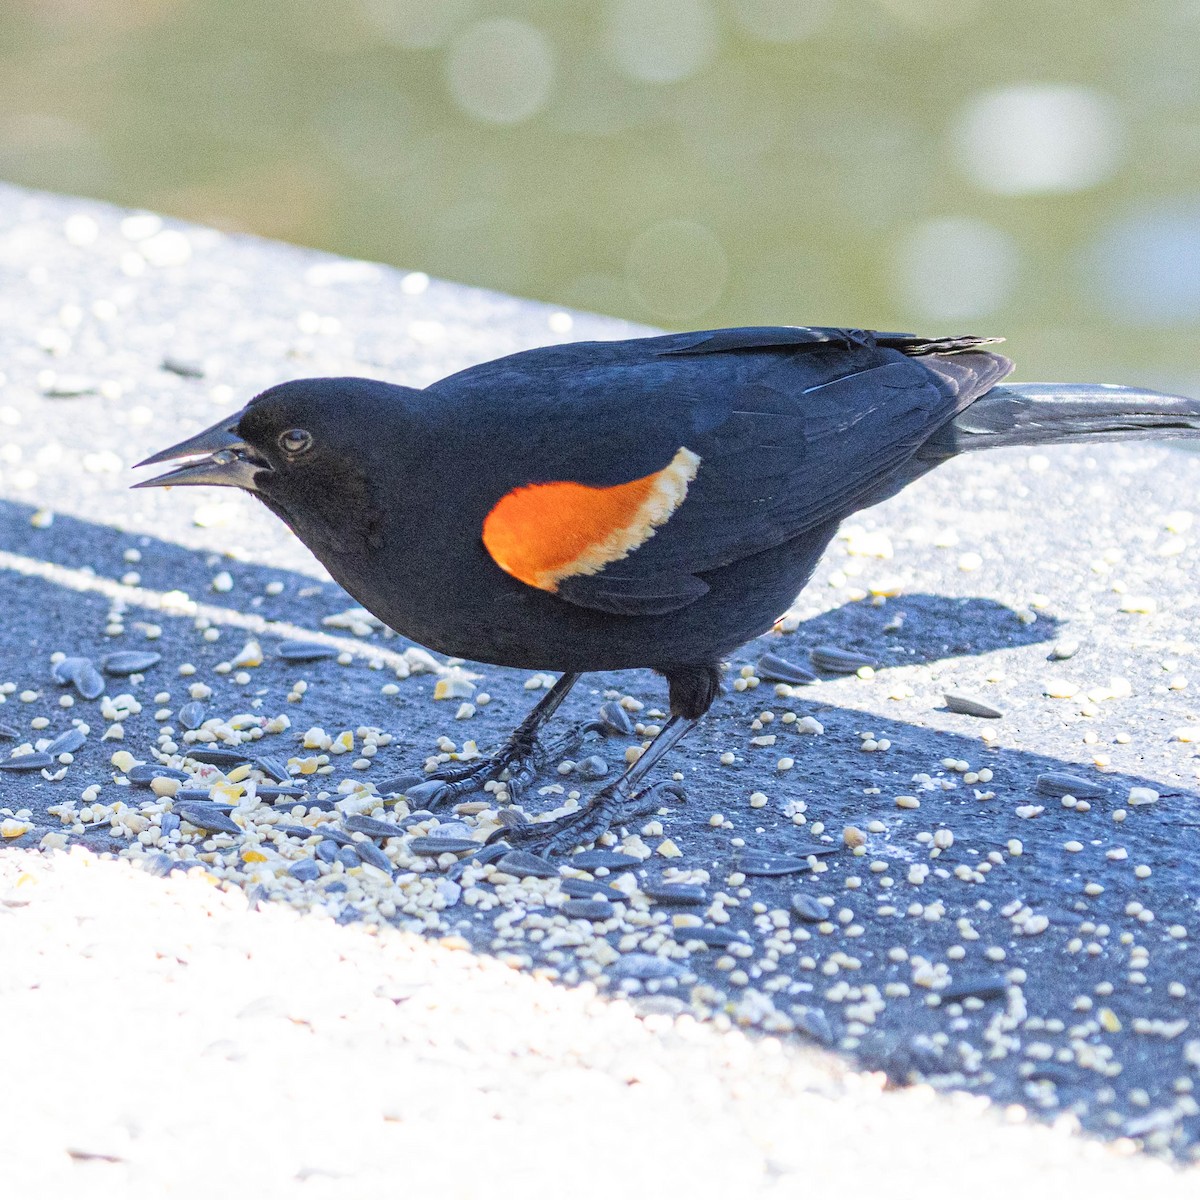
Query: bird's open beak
{"x": 225, "y": 460}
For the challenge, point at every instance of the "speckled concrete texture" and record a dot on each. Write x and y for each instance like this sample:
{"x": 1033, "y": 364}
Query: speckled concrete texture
{"x": 334, "y": 1034}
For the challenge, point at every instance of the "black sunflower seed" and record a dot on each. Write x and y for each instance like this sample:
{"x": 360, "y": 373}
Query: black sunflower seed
{"x": 273, "y": 769}
{"x": 589, "y": 910}
{"x": 129, "y": 662}
{"x": 27, "y": 762}
{"x": 371, "y": 854}
{"x": 968, "y": 706}
{"x": 675, "y": 893}
{"x": 521, "y": 863}
{"x": 143, "y": 773}
{"x": 836, "y": 661}
{"x": 584, "y": 889}
{"x": 1061, "y": 783}
{"x": 780, "y": 670}
{"x": 209, "y": 817}
{"x": 433, "y": 846}
{"x": 218, "y": 757}
{"x": 589, "y": 860}
{"x": 67, "y": 742}
{"x": 304, "y": 651}
{"x": 371, "y": 827}
{"x": 778, "y": 864}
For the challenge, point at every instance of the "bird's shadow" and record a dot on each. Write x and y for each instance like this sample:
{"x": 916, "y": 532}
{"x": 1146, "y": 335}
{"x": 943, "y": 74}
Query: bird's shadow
{"x": 976, "y": 907}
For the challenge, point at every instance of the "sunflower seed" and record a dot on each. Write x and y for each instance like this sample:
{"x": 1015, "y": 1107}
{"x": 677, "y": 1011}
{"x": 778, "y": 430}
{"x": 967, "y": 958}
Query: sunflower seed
{"x": 589, "y": 860}
{"x": 129, "y": 662}
{"x": 485, "y": 854}
{"x": 168, "y": 823}
{"x": 143, "y": 773}
{"x": 66, "y": 743}
{"x": 584, "y": 889}
{"x": 809, "y": 908}
{"x": 675, "y": 893}
{"x": 191, "y": 715}
{"x": 297, "y": 831}
{"x": 79, "y": 672}
{"x": 779, "y": 670}
{"x": 273, "y": 769}
{"x": 988, "y": 987}
{"x": 314, "y": 803}
{"x": 327, "y": 850}
{"x": 588, "y": 910}
{"x": 433, "y": 846}
{"x": 158, "y": 864}
{"x": 521, "y": 863}
{"x": 277, "y": 791}
{"x": 209, "y": 817}
{"x": 335, "y": 835}
{"x": 968, "y": 706}
{"x": 27, "y": 762}
{"x": 218, "y": 758}
{"x": 190, "y": 795}
{"x": 815, "y": 1023}
{"x": 371, "y": 827}
{"x": 6, "y": 731}
{"x": 347, "y": 856}
{"x": 306, "y": 870}
{"x": 777, "y": 864}
{"x": 837, "y": 661}
{"x": 616, "y": 719}
{"x": 1060, "y": 783}
{"x": 304, "y": 651}
{"x": 372, "y": 855}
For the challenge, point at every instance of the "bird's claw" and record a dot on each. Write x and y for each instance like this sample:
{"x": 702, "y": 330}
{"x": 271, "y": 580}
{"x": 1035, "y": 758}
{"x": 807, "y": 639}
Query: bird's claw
{"x": 608, "y": 807}
{"x": 518, "y": 758}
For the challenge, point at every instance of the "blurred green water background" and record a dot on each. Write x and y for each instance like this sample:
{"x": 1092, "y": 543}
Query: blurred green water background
{"x": 1022, "y": 167}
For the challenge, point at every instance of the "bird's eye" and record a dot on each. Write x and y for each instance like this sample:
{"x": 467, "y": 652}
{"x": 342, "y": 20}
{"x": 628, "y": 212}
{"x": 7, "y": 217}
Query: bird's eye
{"x": 295, "y": 441}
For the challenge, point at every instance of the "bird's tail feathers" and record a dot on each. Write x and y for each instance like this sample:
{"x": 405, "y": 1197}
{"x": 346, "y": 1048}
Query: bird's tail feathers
{"x": 1038, "y": 414}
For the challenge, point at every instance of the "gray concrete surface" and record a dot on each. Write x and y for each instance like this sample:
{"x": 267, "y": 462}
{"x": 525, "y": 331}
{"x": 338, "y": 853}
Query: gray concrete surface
{"x": 1058, "y": 975}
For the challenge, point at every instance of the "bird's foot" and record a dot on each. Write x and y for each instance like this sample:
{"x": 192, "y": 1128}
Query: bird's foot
{"x": 514, "y": 765}
{"x": 610, "y": 806}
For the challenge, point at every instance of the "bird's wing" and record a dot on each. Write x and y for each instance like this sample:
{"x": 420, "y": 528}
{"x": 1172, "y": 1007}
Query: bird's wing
{"x": 693, "y": 451}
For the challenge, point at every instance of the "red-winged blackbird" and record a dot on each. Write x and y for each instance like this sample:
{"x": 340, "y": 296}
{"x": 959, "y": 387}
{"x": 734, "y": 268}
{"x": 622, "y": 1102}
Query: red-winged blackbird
{"x": 608, "y": 505}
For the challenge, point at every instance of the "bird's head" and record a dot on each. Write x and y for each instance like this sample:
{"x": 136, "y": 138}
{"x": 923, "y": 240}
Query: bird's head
{"x": 303, "y": 447}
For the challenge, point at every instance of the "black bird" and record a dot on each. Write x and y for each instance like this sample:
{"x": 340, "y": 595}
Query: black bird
{"x": 607, "y": 505}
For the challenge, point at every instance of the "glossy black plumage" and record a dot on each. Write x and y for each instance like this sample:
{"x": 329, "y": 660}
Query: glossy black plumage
{"x": 794, "y": 429}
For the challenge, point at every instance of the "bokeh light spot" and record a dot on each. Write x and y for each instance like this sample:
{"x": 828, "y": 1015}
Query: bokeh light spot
{"x": 1035, "y": 138}
{"x": 955, "y": 268}
{"x": 501, "y": 71}
{"x": 661, "y": 41}
{"x": 676, "y": 269}
{"x": 1145, "y": 267}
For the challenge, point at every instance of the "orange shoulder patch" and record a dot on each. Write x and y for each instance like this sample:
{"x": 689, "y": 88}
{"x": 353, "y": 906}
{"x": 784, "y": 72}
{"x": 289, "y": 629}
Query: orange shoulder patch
{"x": 547, "y": 532}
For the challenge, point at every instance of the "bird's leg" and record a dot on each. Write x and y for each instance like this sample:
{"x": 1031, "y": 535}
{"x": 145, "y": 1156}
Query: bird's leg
{"x": 515, "y": 756}
{"x": 618, "y": 802}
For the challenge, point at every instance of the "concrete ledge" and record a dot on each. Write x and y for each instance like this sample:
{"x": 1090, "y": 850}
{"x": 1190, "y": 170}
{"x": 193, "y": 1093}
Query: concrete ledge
{"x": 120, "y": 332}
